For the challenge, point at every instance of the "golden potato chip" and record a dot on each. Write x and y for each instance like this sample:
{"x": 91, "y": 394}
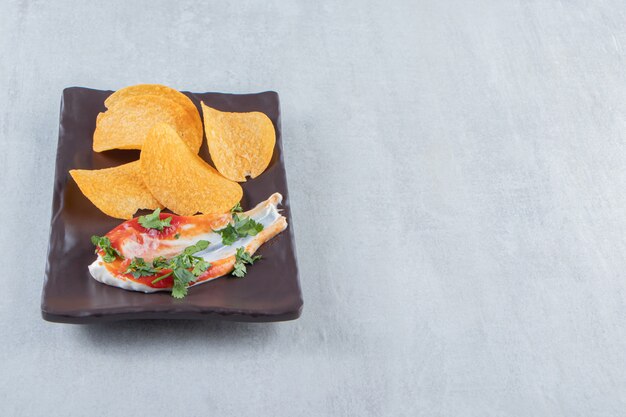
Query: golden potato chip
{"x": 157, "y": 90}
{"x": 180, "y": 179}
{"x": 149, "y": 89}
{"x": 126, "y": 125}
{"x": 118, "y": 192}
{"x": 240, "y": 144}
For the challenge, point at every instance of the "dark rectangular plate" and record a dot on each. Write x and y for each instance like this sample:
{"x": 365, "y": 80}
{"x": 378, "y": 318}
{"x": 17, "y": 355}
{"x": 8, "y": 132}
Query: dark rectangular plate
{"x": 270, "y": 291}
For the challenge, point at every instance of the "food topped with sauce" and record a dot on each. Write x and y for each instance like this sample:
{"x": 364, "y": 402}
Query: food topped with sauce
{"x": 166, "y": 252}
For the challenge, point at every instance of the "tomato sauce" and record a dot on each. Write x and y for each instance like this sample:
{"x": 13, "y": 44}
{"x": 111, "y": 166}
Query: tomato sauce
{"x": 133, "y": 229}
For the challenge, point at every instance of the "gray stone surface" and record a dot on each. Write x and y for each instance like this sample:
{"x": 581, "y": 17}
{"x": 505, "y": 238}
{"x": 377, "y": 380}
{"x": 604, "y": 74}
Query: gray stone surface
{"x": 457, "y": 174}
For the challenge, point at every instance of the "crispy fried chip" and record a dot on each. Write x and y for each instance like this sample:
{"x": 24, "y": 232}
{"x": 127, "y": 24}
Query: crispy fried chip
{"x": 241, "y": 144}
{"x": 118, "y": 192}
{"x": 126, "y": 124}
{"x": 149, "y": 89}
{"x": 180, "y": 179}
{"x": 157, "y": 90}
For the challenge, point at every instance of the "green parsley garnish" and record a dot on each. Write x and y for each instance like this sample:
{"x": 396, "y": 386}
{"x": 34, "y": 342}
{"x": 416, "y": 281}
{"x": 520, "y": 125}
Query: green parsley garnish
{"x": 162, "y": 277}
{"x": 182, "y": 277}
{"x": 160, "y": 262}
{"x": 236, "y": 209}
{"x": 177, "y": 236}
{"x": 152, "y": 221}
{"x": 184, "y": 268}
{"x": 103, "y": 242}
{"x": 200, "y": 267}
{"x": 243, "y": 257}
{"x": 140, "y": 268}
{"x": 200, "y": 246}
{"x": 240, "y": 227}
{"x": 181, "y": 265}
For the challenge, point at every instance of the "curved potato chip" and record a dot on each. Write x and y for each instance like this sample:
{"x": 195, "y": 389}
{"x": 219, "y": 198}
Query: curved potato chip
{"x": 240, "y": 144}
{"x": 156, "y": 90}
{"x": 126, "y": 125}
{"x": 151, "y": 90}
{"x": 180, "y": 179}
{"x": 118, "y": 192}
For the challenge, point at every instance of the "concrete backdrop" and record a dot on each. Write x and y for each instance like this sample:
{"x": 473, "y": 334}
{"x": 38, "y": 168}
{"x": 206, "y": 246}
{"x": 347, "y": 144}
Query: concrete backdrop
{"x": 457, "y": 174}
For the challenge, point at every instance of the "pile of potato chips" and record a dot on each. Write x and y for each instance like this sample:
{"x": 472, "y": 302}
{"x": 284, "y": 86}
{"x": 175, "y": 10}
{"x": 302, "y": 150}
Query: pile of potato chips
{"x": 166, "y": 126}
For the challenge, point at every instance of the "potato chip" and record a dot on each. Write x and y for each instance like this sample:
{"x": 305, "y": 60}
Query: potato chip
{"x": 157, "y": 90}
{"x": 149, "y": 89}
{"x": 180, "y": 179}
{"x": 240, "y": 144}
{"x": 118, "y": 192}
{"x": 126, "y": 125}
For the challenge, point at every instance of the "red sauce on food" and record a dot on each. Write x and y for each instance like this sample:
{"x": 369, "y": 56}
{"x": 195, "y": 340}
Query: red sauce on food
{"x": 132, "y": 228}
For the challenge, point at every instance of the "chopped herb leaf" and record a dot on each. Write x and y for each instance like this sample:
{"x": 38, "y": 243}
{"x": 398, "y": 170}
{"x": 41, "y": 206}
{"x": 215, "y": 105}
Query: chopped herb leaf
{"x": 162, "y": 277}
{"x": 200, "y": 246}
{"x": 179, "y": 290}
{"x": 236, "y": 209}
{"x": 247, "y": 226}
{"x": 240, "y": 270}
{"x": 229, "y": 234}
{"x": 160, "y": 262}
{"x": 240, "y": 227}
{"x": 153, "y": 221}
{"x": 177, "y": 236}
{"x": 103, "y": 242}
{"x": 185, "y": 268}
{"x": 183, "y": 275}
{"x": 140, "y": 268}
{"x": 243, "y": 257}
{"x": 200, "y": 267}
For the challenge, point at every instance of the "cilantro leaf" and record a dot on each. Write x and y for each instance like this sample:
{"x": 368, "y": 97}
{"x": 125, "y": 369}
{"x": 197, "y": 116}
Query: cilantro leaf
{"x": 229, "y": 234}
{"x": 179, "y": 290}
{"x": 184, "y": 268}
{"x": 240, "y": 270}
{"x": 160, "y": 262}
{"x": 248, "y": 227}
{"x": 200, "y": 267}
{"x": 199, "y": 246}
{"x": 241, "y": 227}
{"x": 110, "y": 253}
{"x": 153, "y": 221}
{"x": 243, "y": 257}
{"x": 246, "y": 257}
{"x": 140, "y": 268}
{"x": 183, "y": 276}
{"x": 182, "y": 264}
{"x": 162, "y": 277}
{"x": 236, "y": 209}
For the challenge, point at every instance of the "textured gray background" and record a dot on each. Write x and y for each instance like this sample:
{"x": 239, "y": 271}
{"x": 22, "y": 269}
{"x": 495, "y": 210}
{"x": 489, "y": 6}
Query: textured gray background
{"x": 457, "y": 174}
